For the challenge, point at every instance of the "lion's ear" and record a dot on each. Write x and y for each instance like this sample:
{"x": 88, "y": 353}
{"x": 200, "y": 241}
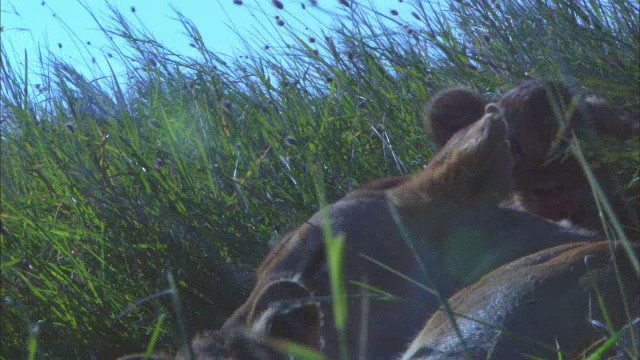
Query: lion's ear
{"x": 284, "y": 309}
{"x": 450, "y": 111}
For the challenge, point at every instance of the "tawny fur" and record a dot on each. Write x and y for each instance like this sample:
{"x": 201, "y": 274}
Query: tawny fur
{"x": 540, "y": 305}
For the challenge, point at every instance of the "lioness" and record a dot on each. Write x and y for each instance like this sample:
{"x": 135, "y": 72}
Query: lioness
{"x": 443, "y": 228}
{"x": 540, "y": 306}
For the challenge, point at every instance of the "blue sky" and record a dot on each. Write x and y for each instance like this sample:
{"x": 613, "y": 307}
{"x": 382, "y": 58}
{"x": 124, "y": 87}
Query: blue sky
{"x": 35, "y": 24}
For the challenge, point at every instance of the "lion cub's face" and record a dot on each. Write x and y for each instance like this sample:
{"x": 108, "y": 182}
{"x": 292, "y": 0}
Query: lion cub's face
{"x": 546, "y": 176}
{"x": 541, "y": 119}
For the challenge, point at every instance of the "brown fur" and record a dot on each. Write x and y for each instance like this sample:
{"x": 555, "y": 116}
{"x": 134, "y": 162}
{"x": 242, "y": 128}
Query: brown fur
{"x": 450, "y": 111}
{"x": 384, "y": 183}
{"x": 542, "y": 298}
{"x": 448, "y": 216}
{"x": 547, "y": 180}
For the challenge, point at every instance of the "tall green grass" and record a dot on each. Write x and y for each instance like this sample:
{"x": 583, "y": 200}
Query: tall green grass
{"x": 194, "y": 165}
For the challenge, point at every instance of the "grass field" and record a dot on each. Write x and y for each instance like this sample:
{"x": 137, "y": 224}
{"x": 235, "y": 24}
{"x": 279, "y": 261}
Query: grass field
{"x": 192, "y": 167}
